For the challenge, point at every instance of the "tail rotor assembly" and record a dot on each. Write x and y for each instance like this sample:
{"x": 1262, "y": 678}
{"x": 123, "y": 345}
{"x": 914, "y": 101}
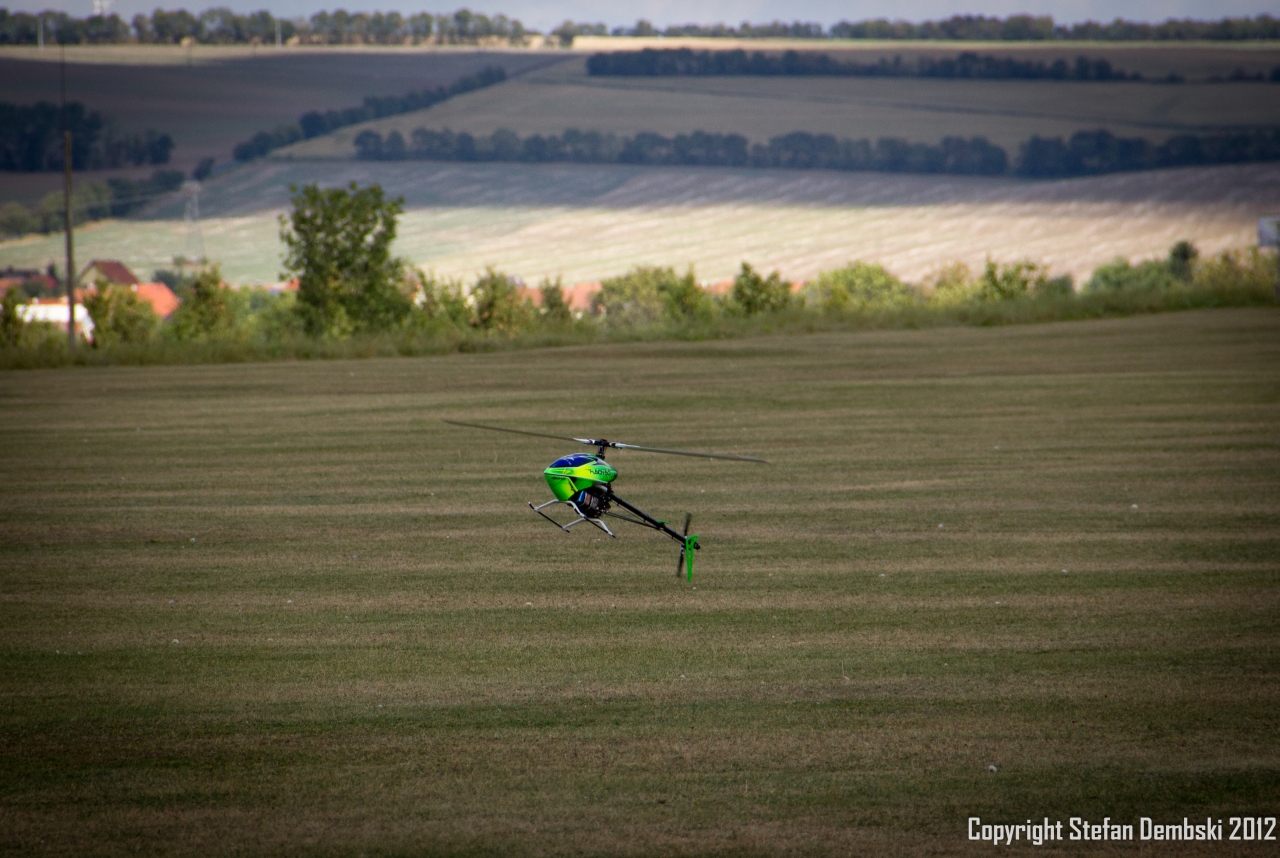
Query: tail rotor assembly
{"x": 685, "y": 561}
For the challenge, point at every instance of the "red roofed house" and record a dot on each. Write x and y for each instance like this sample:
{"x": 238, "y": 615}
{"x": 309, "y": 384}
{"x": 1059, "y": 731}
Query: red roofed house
{"x": 111, "y": 270}
{"x": 159, "y": 296}
{"x": 578, "y": 297}
{"x": 116, "y": 273}
{"x": 13, "y": 278}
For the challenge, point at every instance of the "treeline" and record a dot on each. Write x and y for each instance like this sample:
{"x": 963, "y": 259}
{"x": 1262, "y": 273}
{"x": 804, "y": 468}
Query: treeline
{"x": 222, "y": 26}
{"x": 1093, "y": 152}
{"x": 687, "y": 62}
{"x": 89, "y": 201}
{"x": 967, "y": 28}
{"x": 1023, "y": 28}
{"x": 416, "y": 315}
{"x": 314, "y": 123}
{"x": 974, "y": 156}
{"x": 1085, "y": 153}
{"x": 31, "y": 140}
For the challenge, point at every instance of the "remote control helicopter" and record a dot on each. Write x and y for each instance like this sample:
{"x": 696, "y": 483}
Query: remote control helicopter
{"x": 584, "y": 483}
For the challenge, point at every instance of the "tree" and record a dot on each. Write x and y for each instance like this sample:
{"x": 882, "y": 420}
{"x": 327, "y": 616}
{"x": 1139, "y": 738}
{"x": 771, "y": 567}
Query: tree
{"x": 209, "y": 310}
{"x": 369, "y": 145}
{"x": 118, "y": 315}
{"x": 565, "y": 33}
{"x": 756, "y": 294}
{"x": 338, "y": 244}
{"x": 554, "y": 308}
{"x": 16, "y": 220}
{"x": 682, "y": 297}
{"x": 1182, "y": 258}
{"x": 11, "y": 321}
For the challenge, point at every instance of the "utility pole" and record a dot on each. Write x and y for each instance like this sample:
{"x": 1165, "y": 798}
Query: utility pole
{"x": 66, "y": 200}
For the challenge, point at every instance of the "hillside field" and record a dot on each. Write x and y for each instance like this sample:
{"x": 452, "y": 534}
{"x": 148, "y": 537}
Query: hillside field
{"x": 211, "y": 97}
{"x": 549, "y": 100}
{"x": 584, "y": 222}
{"x": 283, "y": 609}
{"x": 225, "y": 94}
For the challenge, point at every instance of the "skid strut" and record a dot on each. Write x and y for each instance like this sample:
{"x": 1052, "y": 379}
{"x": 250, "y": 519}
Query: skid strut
{"x": 579, "y": 520}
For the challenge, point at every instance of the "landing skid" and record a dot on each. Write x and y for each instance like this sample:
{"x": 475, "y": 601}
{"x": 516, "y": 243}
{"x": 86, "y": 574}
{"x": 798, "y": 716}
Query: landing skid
{"x": 579, "y": 520}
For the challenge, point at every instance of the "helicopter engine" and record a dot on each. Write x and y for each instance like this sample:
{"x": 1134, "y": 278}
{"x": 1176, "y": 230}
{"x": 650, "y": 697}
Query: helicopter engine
{"x": 593, "y": 501}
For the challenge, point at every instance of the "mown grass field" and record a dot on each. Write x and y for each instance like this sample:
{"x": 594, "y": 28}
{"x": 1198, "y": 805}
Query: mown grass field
{"x": 562, "y": 96}
{"x": 583, "y": 222}
{"x": 281, "y": 608}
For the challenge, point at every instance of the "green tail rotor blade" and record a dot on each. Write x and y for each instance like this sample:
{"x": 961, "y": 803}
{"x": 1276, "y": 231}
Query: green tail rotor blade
{"x": 690, "y": 545}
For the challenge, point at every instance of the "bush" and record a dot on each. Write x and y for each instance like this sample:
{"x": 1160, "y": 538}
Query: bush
{"x": 859, "y": 286}
{"x": 1248, "y": 274}
{"x": 634, "y": 299}
{"x": 646, "y": 295}
{"x": 682, "y": 298}
{"x": 497, "y": 305}
{"x": 119, "y": 316}
{"x": 1014, "y": 280}
{"x": 1119, "y": 277}
{"x": 210, "y": 308}
{"x": 443, "y": 301}
{"x": 951, "y": 285}
{"x": 756, "y": 294}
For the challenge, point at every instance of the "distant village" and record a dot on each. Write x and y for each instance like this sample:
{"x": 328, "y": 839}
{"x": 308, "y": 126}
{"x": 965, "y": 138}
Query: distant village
{"x": 45, "y": 304}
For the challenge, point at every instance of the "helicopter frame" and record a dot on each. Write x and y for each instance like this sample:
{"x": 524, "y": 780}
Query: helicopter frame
{"x": 688, "y": 542}
{"x": 595, "y": 494}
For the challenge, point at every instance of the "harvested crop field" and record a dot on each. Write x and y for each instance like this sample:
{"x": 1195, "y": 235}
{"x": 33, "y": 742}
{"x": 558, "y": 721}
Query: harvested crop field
{"x": 1004, "y": 572}
{"x": 584, "y": 222}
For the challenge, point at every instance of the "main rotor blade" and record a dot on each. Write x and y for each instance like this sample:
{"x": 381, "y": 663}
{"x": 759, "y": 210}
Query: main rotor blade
{"x": 687, "y": 453}
{"x": 588, "y": 441}
{"x": 592, "y": 442}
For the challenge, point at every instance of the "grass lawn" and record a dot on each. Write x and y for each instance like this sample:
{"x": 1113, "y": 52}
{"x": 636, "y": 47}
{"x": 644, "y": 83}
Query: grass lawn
{"x": 281, "y": 608}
